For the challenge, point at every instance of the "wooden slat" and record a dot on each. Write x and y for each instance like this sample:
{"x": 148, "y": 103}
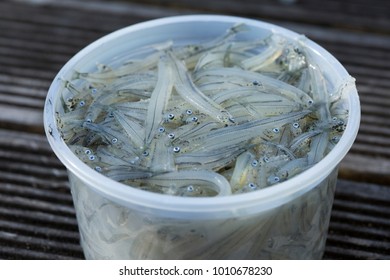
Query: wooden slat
{"x": 43, "y": 33}
{"x": 27, "y": 120}
{"x": 361, "y": 230}
{"x": 38, "y": 217}
{"x": 46, "y": 15}
{"x": 12, "y": 252}
{"x": 37, "y": 242}
{"x": 7, "y": 97}
{"x": 27, "y": 56}
{"x": 367, "y": 244}
{"x": 54, "y": 195}
{"x": 359, "y": 226}
{"x": 363, "y": 168}
{"x": 122, "y": 9}
{"x": 341, "y": 251}
{"x": 298, "y": 12}
{"x": 41, "y": 231}
{"x": 36, "y": 204}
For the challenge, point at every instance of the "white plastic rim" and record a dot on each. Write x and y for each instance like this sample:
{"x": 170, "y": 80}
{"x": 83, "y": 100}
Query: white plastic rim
{"x": 205, "y": 207}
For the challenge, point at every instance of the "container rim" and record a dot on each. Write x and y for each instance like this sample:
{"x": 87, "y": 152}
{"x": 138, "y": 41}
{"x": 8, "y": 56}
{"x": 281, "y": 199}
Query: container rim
{"x": 234, "y": 205}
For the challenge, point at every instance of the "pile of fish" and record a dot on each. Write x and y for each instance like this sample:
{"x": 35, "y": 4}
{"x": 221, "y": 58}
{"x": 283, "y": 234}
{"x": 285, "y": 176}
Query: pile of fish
{"x": 220, "y": 117}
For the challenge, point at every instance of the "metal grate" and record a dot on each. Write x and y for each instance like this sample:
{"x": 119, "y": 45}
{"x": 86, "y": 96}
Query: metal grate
{"x": 37, "y": 218}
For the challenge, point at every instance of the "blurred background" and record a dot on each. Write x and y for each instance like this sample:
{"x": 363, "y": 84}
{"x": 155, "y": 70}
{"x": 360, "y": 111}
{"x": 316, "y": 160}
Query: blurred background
{"x": 37, "y": 37}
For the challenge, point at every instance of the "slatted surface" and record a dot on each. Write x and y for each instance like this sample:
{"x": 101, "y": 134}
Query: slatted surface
{"x": 37, "y": 219}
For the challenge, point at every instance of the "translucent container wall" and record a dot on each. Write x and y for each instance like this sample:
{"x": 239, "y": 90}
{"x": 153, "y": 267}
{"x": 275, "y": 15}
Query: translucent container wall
{"x": 286, "y": 221}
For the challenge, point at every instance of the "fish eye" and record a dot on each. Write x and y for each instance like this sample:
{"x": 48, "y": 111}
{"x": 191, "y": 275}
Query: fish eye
{"x": 176, "y": 149}
{"x": 335, "y": 139}
{"x": 114, "y": 140}
{"x": 296, "y": 125}
{"x": 161, "y": 129}
{"x": 189, "y": 112}
{"x": 252, "y": 186}
{"x": 171, "y": 135}
{"x": 171, "y": 116}
{"x": 276, "y": 130}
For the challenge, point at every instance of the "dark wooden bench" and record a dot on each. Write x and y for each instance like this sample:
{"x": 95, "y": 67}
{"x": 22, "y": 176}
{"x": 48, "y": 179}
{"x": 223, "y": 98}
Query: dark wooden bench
{"x": 37, "y": 218}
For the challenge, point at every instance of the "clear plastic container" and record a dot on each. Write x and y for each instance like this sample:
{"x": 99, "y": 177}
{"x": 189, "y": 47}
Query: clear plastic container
{"x": 286, "y": 221}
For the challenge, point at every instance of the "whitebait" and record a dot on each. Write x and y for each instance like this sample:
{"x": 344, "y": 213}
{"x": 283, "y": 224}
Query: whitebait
{"x": 186, "y": 178}
{"x": 268, "y": 83}
{"x": 225, "y": 116}
{"x": 159, "y": 99}
{"x": 233, "y": 135}
{"x": 189, "y": 92}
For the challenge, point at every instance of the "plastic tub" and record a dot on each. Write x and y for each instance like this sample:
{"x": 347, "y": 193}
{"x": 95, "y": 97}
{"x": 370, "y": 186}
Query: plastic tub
{"x": 286, "y": 221}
